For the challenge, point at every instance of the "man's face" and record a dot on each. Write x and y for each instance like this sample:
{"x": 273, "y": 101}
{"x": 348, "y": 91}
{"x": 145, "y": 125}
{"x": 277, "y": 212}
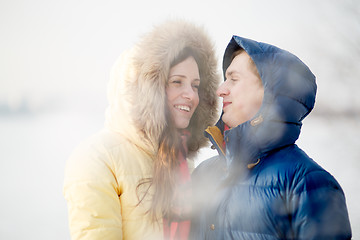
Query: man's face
{"x": 242, "y": 92}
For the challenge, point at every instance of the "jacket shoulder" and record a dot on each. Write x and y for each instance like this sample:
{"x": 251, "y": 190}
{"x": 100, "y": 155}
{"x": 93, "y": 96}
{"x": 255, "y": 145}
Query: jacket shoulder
{"x": 92, "y": 158}
{"x": 295, "y": 169}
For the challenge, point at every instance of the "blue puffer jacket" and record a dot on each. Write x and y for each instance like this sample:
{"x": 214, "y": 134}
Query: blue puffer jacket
{"x": 263, "y": 186}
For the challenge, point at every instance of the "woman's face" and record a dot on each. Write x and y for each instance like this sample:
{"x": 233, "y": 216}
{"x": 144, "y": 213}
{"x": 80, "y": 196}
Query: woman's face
{"x": 182, "y": 91}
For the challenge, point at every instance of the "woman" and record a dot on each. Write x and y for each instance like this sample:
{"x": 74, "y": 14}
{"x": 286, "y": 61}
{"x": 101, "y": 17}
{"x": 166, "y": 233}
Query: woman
{"x": 127, "y": 181}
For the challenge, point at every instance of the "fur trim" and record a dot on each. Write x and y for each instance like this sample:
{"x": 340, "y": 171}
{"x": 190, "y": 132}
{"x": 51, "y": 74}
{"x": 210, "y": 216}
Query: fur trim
{"x": 138, "y": 82}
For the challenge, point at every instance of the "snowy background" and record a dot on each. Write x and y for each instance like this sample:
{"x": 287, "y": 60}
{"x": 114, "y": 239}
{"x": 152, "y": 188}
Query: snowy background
{"x": 55, "y": 59}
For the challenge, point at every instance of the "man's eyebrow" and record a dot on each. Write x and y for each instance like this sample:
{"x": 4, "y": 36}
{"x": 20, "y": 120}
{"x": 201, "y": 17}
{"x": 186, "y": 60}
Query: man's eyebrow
{"x": 232, "y": 72}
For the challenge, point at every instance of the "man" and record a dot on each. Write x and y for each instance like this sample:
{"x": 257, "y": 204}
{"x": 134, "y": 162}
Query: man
{"x": 262, "y": 185}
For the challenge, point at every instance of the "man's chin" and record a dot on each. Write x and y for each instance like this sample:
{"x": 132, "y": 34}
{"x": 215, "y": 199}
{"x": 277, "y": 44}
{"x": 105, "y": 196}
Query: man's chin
{"x": 225, "y": 121}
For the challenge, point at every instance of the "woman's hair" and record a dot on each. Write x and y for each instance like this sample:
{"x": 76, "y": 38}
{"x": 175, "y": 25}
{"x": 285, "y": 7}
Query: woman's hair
{"x": 165, "y": 171}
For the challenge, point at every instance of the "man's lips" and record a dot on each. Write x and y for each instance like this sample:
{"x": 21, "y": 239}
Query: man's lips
{"x": 225, "y": 104}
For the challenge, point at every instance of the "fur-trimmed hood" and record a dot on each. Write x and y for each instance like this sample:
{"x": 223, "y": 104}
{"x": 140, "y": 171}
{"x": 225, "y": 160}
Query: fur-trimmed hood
{"x": 136, "y": 92}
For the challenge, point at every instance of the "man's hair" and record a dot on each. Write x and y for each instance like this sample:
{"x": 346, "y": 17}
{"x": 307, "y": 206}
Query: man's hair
{"x": 251, "y": 62}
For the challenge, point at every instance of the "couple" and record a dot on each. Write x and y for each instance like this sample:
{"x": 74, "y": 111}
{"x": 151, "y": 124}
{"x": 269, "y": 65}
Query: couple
{"x": 133, "y": 179}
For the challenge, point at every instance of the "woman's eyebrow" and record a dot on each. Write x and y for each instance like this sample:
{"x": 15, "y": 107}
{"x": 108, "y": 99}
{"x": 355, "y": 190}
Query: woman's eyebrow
{"x": 177, "y": 75}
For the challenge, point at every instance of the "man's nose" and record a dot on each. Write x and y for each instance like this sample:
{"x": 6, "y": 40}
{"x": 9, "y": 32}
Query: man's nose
{"x": 222, "y": 90}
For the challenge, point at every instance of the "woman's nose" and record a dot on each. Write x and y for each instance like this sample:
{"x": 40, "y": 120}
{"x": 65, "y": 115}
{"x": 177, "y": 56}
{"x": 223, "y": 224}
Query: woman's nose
{"x": 188, "y": 92}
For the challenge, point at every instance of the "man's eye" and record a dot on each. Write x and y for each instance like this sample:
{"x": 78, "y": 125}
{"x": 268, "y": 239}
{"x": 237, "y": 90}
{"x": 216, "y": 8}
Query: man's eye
{"x": 231, "y": 79}
{"x": 196, "y": 86}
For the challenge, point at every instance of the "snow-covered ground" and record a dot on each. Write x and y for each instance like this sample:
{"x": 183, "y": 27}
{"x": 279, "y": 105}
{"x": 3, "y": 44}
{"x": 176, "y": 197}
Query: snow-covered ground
{"x": 34, "y": 149}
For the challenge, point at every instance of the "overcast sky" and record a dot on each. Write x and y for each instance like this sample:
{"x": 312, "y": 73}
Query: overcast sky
{"x": 65, "y": 49}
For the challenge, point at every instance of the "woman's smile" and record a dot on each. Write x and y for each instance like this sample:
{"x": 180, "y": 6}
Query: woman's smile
{"x": 182, "y": 108}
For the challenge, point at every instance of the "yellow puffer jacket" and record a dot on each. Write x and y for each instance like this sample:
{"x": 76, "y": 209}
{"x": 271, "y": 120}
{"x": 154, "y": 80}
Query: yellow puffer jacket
{"x": 102, "y": 174}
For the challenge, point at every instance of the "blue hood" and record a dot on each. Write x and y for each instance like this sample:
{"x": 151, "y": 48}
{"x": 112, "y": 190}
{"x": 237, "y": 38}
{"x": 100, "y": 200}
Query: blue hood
{"x": 289, "y": 96}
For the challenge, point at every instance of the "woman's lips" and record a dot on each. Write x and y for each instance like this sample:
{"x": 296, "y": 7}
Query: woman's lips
{"x": 184, "y": 107}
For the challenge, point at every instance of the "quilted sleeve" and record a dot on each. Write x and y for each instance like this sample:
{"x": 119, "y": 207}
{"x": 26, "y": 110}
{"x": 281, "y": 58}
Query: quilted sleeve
{"x": 319, "y": 208}
{"x": 92, "y": 195}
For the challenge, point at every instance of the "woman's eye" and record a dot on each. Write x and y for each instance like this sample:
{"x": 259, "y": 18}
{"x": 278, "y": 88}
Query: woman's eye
{"x": 196, "y": 86}
{"x": 176, "y": 81}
